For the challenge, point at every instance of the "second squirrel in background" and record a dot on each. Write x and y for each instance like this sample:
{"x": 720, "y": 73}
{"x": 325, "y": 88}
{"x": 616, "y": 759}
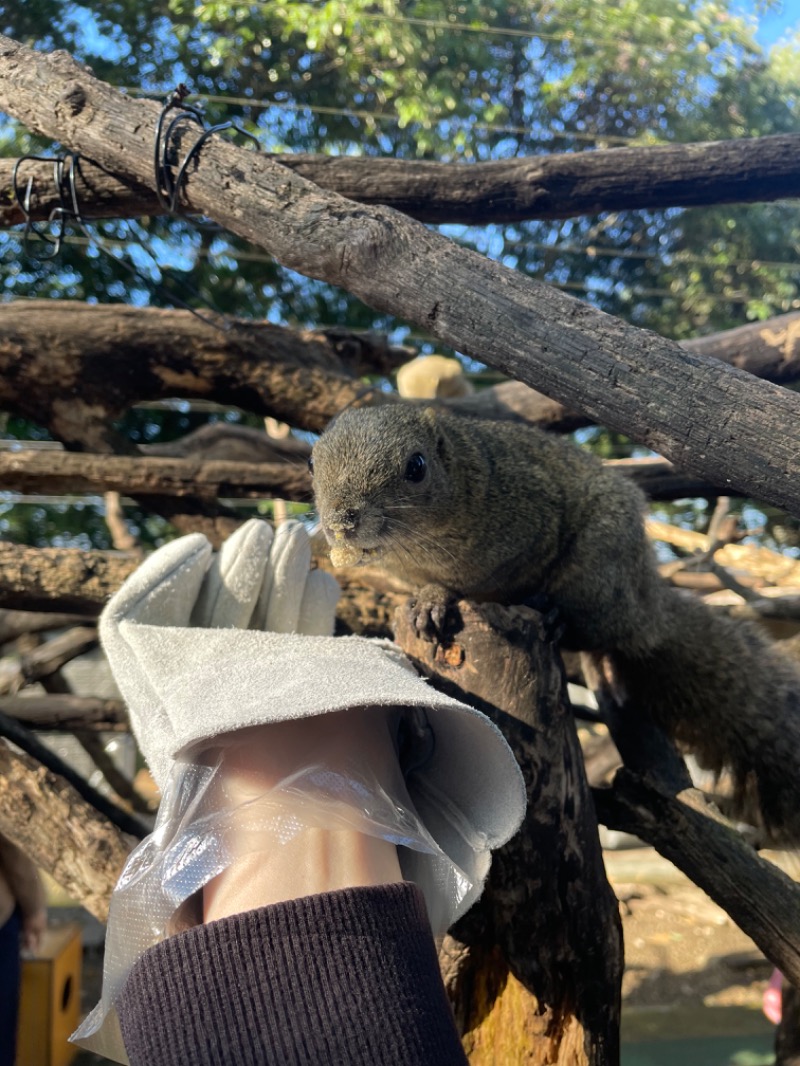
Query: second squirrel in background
{"x": 498, "y": 511}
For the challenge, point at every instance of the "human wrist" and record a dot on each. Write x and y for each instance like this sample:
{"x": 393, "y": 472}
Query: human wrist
{"x": 315, "y": 857}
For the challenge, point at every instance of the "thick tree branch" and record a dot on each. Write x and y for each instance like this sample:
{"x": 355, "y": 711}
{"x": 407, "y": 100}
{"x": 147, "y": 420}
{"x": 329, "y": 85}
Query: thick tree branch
{"x": 45, "y": 816}
{"x": 559, "y": 934}
{"x": 759, "y": 169}
{"x": 62, "y": 579}
{"x": 83, "y": 581}
{"x": 762, "y": 900}
{"x": 75, "y": 368}
{"x": 722, "y": 425}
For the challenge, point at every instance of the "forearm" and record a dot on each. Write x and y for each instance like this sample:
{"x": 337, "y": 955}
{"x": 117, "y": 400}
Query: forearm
{"x": 22, "y": 878}
{"x": 347, "y": 977}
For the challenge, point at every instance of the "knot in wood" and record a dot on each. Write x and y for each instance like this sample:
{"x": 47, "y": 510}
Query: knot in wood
{"x": 451, "y": 655}
{"x": 74, "y": 98}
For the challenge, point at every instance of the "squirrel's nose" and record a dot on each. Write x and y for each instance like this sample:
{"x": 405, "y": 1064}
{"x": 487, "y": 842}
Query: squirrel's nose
{"x": 346, "y": 519}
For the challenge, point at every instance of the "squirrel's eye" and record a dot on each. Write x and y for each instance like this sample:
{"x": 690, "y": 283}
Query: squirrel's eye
{"x": 311, "y": 464}
{"x": 416, "y": 467}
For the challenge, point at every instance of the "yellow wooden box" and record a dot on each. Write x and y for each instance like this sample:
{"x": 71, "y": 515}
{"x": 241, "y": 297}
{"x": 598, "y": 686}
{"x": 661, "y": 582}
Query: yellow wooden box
{"x": 50, "y": 999}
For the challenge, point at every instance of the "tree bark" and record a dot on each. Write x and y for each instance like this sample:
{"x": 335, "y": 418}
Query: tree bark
{"x": 721, "y": 425}
{"x": 63, "y": 472}
{"x": 74, "y": 368}
{"x": 83, "y": 581}
{"x": 64, "y": 835}
{"x": 48, "y": 658}
{"x": 14, "y": 624}
{"x": 534, "y": 969}
{"x": 67, "y": 713}
{"x": 61, "y": 579}
{"x": 757, "y": 169}
{"x": 787, "y": 1036}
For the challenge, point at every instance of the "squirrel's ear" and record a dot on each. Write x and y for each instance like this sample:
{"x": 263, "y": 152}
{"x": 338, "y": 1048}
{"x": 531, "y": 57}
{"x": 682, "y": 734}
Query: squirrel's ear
{"x": 429, "y": 415}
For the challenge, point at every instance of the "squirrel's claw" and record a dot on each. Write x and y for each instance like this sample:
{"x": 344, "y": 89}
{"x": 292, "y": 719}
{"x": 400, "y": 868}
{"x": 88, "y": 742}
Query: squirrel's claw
{"x": 428, "y": 611}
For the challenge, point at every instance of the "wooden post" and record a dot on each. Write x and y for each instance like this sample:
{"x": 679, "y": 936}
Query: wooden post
{"x": 534, "y": 970}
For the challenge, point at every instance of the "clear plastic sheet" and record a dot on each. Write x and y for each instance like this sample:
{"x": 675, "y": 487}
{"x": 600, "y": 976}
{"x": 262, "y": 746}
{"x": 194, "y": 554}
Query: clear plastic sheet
{"x": 202, "y": 829}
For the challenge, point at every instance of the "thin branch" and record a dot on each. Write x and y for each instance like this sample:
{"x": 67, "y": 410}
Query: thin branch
{"x": 31, "y": 745}
{"x": 66, "y": 713}
{"x": 48, "y": 658}
{"x": 64, "y": 472}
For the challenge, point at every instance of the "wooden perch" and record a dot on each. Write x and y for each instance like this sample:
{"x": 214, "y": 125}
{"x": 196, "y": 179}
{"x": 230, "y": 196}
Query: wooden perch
{"x": 65, "y": 472}
{"x": 64, "y": 835}
{"x": 66, "y": 713}
{"x": 534, "y": 969}
{"x": 48, "y": 658}
{"x": 758, "y": 169}
{"x": 74, "y": 368}
{"x": 682, "y": 405}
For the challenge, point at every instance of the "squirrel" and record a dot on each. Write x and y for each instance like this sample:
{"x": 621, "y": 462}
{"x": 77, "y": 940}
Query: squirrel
{"x": 504, "y": 512}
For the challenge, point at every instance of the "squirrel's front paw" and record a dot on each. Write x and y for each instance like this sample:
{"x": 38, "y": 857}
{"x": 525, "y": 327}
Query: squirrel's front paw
{"x": 428, "y": 611}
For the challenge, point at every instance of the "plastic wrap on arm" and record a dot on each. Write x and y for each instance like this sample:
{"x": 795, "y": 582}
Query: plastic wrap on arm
{"x": 206, "y": 824}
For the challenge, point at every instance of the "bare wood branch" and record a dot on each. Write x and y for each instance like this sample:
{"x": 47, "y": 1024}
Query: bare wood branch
{"x": 66, "y": 713}
{"x": 38, "y": 578}
{"x": 14, "y": 623}
{"x": 95, "y": 749}
{"x": 560, "y": 934}
{"x": 512, "y": 190}
{"x": 65, "y": 472}
{"x": 233, "y": 443}
{"x": 761, "y": 899}
{"x": 60, "y": 578}
{"x": 680, "y": 404}
{"x": 64, "y": 835}
{"x": 121, "y": 537}
{"x": 75, "y": 368}
{"x": 48, "y": 658}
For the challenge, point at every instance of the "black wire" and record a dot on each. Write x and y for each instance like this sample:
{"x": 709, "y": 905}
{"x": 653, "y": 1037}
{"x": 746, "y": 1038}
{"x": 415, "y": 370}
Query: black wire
{"x": 66, "y": 167}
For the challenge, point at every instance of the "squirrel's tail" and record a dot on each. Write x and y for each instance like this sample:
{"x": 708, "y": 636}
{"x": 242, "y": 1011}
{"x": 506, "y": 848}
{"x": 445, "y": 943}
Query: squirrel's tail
{"x": 723, "y": 690}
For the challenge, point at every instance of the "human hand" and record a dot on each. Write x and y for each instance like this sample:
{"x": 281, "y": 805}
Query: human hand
{"x": 33, "y": 927}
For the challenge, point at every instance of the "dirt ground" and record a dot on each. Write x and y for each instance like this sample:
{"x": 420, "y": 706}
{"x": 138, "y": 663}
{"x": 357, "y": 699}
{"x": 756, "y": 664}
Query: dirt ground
{"x": 690, "y": 971}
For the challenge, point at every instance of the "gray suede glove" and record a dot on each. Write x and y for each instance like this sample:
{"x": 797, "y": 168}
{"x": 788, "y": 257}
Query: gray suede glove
{"x": 203, "y": 646}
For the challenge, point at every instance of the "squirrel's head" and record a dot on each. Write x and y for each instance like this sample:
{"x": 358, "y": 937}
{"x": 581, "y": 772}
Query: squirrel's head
{"x": 380, "y": 475}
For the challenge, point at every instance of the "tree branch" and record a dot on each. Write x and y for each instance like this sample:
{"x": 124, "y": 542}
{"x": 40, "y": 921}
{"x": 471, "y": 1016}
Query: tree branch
{"x": 758, "y": 169}
{"x": 64, "y": 835}
{"x": 65, "y": 472}
{"x": 66, "y": 712}
{"x": 680, "y": 404}
{"x": 75, "y": 368}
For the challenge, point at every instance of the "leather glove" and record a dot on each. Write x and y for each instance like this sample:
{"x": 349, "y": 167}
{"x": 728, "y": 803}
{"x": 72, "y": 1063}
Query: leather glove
{"x": 185, "y": 640}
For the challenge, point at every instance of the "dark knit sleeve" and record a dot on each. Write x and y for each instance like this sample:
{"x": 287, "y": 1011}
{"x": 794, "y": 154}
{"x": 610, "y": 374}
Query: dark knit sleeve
{"x": 347, "y": 978}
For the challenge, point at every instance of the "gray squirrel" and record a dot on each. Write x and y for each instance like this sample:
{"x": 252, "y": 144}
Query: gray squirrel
{"x": 503, "y": 512}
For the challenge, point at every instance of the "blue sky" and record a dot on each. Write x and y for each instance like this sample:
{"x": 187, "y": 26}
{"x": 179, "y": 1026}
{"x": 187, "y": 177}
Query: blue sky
{"x": 780, "y": 19}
